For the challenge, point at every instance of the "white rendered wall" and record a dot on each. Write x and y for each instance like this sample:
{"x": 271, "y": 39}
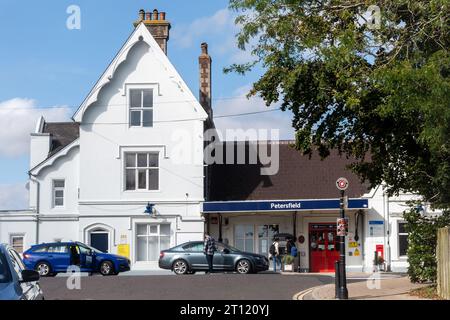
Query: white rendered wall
{"x": 106, "y": 135}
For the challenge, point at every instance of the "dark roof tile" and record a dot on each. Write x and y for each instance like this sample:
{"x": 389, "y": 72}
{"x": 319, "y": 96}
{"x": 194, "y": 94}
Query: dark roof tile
{"x": 299, "y": 177}
{"x": 62, "y": 134}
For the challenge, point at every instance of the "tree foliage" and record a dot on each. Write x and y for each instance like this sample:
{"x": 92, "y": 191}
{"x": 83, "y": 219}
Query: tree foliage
{"x": 380, "y": 95}
{"x": 422, "y": 241}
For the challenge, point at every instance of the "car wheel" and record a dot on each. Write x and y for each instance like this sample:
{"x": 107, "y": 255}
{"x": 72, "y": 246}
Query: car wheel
{"x": 180, "y": 267}
{"x": 243, "y": 266}
{"x": 44, "y": 269}
{"x": 106, "y": 268}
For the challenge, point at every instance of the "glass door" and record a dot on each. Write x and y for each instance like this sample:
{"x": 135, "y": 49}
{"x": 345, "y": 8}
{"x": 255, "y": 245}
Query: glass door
{"x": 265, "y": 237}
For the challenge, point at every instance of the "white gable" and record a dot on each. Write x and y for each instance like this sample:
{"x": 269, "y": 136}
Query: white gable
{"x": 182, "y": 93}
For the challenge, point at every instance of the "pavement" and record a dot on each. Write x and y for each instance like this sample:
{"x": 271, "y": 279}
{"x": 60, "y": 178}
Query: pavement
{"x": 377, "y": 286}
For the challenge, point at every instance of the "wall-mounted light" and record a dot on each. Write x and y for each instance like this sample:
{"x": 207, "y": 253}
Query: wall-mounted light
{"x": 150, "y": 209}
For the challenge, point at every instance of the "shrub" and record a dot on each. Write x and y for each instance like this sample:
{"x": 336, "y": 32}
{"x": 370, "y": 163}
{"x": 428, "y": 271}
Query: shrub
{"x": 288, "y": 259}
{"x": 422, "y": 241}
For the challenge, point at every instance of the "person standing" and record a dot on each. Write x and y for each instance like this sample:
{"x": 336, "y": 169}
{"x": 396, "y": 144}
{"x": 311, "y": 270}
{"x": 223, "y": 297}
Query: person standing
{"x": 209, "y": 248}
{"x": 275, "y": 253}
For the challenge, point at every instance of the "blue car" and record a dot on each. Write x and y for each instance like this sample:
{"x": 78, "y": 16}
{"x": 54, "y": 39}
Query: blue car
{"x": 16, "y": 282}
{"x": 52, "y": 258}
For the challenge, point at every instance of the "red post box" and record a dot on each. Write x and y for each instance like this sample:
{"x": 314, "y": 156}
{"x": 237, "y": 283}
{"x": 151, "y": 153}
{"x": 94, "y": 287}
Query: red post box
{"x": 380, "y": 250}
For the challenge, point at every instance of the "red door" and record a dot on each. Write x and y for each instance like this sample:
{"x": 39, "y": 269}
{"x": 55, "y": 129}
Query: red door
{"x": 323, "y": 247}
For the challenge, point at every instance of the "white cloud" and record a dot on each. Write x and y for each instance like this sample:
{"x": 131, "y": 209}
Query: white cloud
{"x": 13, "y": 196}
{"x": 185, "y": 35}
{"x": 18, "y": 119}
{"x": 219, "y": 30}
{"x": 271, "y": 120}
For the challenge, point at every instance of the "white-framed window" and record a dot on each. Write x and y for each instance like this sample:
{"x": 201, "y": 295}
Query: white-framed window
{"x": 16, "y": 242}
{"x": 265, "y": 237}
{"x": 141, "y": 107}
{"x": 402, "y": 239}
{"x": 142, "y": 171}
{"x": 58, "y": 193}
{"x": 151, "y": 239}
{"x": 244, "y": 237}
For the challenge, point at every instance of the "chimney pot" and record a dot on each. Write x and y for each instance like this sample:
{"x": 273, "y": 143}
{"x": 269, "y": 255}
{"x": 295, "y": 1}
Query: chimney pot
{"x": 141, "y": 14}
{"x": 155, "y": 14}
{"x": 149, "y": 16}
{"x": 162, "y": 16}
{"x": 204, "y": 48}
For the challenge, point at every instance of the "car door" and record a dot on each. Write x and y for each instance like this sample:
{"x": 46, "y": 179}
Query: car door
{"x": 59, "y": 256}
{"x": 30, "y": 290}
{"x": 86, "y": 258}
{"x": 195, "y": 256}
{"x": 223, "y": 258}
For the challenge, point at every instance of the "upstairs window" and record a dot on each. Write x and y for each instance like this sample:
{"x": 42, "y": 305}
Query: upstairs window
{"x": 58, "y": 193}
{"x": 141, "y": 108}
{"x": 142, "y": 171}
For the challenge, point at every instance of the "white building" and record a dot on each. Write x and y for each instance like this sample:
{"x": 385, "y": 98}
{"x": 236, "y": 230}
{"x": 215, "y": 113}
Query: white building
{"x": 91, "y": 179}
{"x": 138, "y": 139}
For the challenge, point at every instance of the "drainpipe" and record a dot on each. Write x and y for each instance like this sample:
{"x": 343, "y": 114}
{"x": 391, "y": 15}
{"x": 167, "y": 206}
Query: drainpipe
{"x": 33, "y": 178}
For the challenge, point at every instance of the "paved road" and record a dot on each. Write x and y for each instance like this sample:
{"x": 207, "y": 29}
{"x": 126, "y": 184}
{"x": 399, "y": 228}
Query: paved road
{"x": 263, "y": 286}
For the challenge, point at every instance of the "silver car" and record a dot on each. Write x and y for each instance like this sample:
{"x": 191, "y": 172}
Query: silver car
{"x": 189, "y": 258}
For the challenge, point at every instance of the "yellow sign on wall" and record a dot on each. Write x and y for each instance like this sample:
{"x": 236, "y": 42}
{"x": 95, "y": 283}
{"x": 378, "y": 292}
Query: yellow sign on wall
{"x": 353, "y": 244}
{"x": 124, "y": 250}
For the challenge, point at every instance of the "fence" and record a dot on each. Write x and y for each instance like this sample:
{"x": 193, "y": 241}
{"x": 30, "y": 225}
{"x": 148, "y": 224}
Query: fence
{"x": 443, "y": 263}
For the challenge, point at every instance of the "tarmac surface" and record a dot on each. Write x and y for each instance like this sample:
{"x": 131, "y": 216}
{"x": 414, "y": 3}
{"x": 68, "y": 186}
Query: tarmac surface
{"x": 165, "y": 286}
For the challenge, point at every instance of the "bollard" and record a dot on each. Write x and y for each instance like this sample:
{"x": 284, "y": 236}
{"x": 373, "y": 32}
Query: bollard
{"x": 336, "y": 279}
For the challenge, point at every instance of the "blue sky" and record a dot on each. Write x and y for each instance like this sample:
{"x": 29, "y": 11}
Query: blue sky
{"x": 44, "y": 64}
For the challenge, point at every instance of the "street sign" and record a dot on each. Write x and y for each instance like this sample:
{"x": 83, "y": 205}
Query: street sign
{"x": 342, "y": 184}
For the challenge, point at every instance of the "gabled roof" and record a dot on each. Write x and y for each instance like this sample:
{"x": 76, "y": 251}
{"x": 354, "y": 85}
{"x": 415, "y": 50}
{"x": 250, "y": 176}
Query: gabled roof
{"x": 299, "y": 177}
{"x": 62, "y": 134}
{"x": 141, "y": 33}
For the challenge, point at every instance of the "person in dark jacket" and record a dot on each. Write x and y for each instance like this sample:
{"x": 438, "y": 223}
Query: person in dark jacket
{"x": 209, "y": 248}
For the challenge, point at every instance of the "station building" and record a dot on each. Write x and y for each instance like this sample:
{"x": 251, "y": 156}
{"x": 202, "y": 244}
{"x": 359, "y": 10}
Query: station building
{"x": 246, "y": 210}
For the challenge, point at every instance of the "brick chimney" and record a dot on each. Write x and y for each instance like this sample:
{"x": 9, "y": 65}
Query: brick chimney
{"x": 158, "y": 26}
{"x": 205, "y": 63}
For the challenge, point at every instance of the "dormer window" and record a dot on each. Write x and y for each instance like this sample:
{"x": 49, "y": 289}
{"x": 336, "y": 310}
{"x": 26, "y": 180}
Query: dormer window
{"x": 141, "y": 108}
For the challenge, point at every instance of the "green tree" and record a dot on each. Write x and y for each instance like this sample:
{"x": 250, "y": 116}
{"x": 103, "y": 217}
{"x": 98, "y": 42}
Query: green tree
{"x": 378, "y": 93}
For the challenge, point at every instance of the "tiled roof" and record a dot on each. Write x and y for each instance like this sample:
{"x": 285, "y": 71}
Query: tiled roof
{"x": 62, "y": 134}
{"x": 299, "y": 177}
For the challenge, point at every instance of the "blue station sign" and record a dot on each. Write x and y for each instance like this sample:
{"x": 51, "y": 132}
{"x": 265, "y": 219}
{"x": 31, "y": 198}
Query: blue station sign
{"x": 281, "y": 205}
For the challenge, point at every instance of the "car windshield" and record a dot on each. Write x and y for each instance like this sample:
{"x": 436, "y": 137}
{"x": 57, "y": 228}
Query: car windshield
{"x": 89, "y": 247}
{"x": 4, "y": 269}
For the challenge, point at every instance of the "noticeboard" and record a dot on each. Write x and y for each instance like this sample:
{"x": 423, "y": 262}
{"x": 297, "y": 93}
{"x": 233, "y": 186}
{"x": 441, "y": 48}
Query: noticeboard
{"x": 342, "y": 227}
